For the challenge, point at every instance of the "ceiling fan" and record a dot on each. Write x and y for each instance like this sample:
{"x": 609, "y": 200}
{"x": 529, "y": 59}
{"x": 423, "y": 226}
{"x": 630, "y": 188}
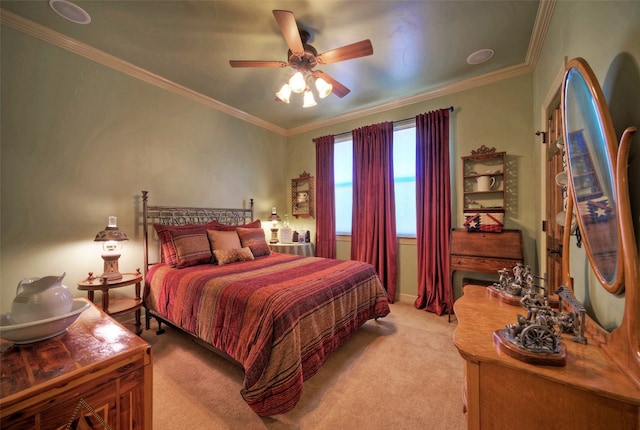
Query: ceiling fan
{"x": 303, "y": 58}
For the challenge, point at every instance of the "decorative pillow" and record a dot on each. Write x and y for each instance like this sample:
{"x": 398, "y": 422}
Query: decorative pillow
{"x": 223, "y": 239}
{"x": 254, "y": 239}
{"x": 215, "y": 225}
{"x": 192, "y": 247}
{"x": 226, "y": 256}
{"x": 166, "y": 241}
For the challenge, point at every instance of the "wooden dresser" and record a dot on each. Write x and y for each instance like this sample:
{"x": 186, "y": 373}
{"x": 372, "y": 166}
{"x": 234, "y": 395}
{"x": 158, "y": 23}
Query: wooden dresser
{"x": 96, "y": 366}
{"x": 485, "y": 252}
{"x": 590, "y": 392}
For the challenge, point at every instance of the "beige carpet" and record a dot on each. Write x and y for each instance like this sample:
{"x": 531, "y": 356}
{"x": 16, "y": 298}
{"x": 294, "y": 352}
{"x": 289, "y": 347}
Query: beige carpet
{"x": 402, "y": 372}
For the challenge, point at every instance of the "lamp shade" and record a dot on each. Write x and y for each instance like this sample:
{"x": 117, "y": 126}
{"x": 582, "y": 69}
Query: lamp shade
{"x": 111, "y": 232}
{"x": 274, "y": 218}
{"x": 297, "y": 83}
{"x": 324, "y": 88}
{"x": 309, "y": 101}
{"x": 285, "y": 93}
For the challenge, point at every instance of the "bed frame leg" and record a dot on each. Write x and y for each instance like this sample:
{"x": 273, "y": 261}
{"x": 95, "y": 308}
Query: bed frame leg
{"x": 147, "y": 322}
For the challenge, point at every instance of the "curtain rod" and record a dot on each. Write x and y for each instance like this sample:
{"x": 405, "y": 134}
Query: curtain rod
{"x": 394, "y": 123}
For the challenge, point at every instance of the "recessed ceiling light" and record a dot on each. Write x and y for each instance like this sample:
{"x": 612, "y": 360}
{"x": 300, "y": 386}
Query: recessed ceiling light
{"x": 70, "y": 11}
{"x": 480, "y": 56}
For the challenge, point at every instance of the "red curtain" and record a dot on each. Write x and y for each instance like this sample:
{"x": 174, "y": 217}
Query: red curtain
{"x": 433, "y": 203}
{"x": 373, "y": 226}
{"x": 325, "y": 198}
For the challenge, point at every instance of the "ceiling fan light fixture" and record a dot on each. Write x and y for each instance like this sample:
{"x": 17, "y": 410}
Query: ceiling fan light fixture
{"x": 284, "y": 94}
{"x": 297, "y": 83}
{"x": 324, "y": 88}
{"x": 309, "y": 101}
{"x": 480, "y": 56}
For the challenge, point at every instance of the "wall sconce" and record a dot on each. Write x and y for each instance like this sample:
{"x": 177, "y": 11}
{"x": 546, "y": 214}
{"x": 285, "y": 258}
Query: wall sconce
{"x": 112, "y": 240}
{"x": 274, "y": 218}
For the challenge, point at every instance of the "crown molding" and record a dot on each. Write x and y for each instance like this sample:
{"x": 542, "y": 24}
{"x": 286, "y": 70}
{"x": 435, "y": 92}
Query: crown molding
{"x": 540, "y": 29}
{"x": 456, "y": 87}
{"x": 31, "y": 28}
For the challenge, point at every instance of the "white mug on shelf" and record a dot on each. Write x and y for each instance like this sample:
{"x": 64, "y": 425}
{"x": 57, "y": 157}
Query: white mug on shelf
{"x": 486, "y": 183}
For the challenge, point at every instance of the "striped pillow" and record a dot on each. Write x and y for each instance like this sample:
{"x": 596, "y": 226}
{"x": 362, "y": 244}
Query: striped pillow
{"x": 169, "y": 255}
{"x": 254, "y": 239}
{"x": 192, "y": 247}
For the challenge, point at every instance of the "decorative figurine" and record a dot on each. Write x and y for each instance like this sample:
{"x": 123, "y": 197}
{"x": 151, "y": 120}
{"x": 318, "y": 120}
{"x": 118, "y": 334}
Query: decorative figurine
{"x": 536, "y": 337}
{"x": 513, "y": 285}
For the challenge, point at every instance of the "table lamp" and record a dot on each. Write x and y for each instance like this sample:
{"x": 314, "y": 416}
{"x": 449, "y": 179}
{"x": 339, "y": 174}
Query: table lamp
{"x": 274, "y": 218}
{"x": 112, "y": 240}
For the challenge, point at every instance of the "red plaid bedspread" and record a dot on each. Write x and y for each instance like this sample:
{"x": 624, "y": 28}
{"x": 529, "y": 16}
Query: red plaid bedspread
{"x": 280, "y": 316}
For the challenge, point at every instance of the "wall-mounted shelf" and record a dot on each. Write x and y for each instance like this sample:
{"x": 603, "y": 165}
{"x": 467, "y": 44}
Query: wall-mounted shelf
{"x": 302, "y": 196}
{"x": 484, "y": 181}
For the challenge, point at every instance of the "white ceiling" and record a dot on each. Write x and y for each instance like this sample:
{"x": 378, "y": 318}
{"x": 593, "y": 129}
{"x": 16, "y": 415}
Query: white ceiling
{"x": 420, "y": 47}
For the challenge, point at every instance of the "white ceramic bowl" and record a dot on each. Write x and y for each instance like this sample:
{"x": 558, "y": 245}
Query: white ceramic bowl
{"x": 36, "y": 331}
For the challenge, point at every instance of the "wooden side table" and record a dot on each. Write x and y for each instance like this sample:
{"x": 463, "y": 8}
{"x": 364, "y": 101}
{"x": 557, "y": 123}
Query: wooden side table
{"x": 115, "y": 307}
{"x": 305, "y": 248}
{"x": 96, "y": 371}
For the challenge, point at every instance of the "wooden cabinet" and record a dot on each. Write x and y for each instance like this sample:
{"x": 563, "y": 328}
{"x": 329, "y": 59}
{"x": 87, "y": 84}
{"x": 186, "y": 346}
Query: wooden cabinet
{"x": 484, "y": 181}
{"x": 501, "y": 392}
{"x": 96, "y": 371}
{"x": 485, "y": 252}
{"x": 302, "y": 196}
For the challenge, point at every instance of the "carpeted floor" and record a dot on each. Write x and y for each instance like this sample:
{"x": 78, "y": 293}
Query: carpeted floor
{"x": 401, "y": 372}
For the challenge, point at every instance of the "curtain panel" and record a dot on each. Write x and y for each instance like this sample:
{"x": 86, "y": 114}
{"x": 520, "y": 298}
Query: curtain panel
{"x": 433, "y": 203}
{"x": 373, "y": 226}
{"x": 325, "y": 198}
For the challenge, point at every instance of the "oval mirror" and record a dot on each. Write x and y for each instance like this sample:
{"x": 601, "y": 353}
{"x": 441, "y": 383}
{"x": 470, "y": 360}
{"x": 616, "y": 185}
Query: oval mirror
{"x": 591, "y": 147}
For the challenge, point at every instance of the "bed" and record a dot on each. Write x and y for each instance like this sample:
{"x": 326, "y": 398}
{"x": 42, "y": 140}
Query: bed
{"x": 279, "y": 316}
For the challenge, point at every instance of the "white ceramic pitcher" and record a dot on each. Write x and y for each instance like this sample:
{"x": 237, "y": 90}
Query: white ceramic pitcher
{"x": 486, "y": 183}
{"x": 40, "y": 298}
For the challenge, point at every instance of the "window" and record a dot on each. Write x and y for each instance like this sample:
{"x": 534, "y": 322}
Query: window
{"x": 404, "y": 169}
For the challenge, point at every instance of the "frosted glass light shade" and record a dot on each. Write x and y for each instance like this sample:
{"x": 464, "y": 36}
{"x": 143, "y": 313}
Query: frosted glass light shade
{"x": 324, "y": 88}
{"x": 297, "y": 83}
{"x": 309, "y": 101}
{"x": 284, "y": 94}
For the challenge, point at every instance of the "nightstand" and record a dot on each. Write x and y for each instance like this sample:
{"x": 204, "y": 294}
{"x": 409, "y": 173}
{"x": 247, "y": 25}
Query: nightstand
{"x": 305, "y": 249}
{"x": 115, "y": 307}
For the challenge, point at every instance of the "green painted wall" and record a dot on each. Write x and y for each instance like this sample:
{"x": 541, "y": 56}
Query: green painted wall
{"x": 79, "y": 143}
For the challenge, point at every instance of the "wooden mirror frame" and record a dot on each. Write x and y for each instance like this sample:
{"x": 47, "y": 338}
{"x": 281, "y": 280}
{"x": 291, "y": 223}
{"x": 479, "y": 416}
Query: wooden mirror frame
{"x": 590, "y": 148}
{"x": 623, "y": 343}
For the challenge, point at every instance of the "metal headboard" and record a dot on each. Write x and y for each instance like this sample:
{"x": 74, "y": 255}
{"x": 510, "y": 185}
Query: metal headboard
{"x": 175, "y": 215}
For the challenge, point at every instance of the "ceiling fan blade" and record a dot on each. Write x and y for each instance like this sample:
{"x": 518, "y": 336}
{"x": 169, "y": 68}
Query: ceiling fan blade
{"x": 338, "y": 89}
{"x": 355, "y": 50}
{"x": 242, "y": 63}
{"x": 289, "y": 28}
